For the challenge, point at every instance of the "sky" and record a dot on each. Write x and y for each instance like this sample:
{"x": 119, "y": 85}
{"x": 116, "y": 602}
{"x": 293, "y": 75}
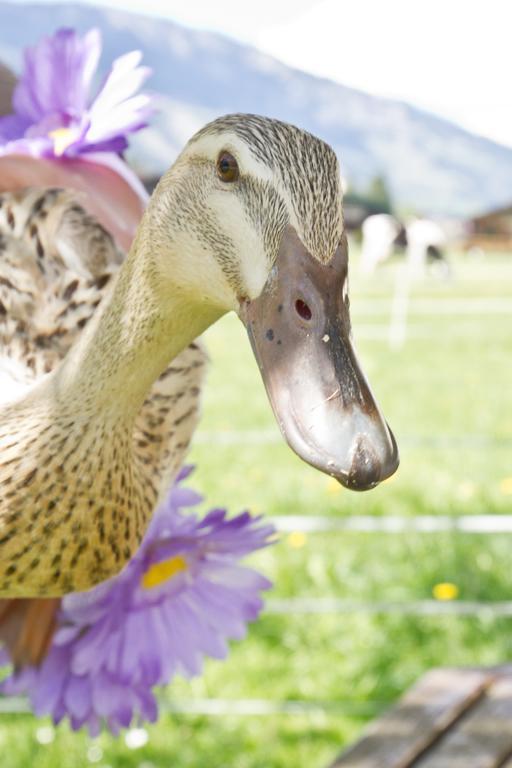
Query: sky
{"x": 450, "y": 57}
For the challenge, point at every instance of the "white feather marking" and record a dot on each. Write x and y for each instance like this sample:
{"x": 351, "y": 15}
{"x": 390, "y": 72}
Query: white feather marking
{"x": 248, "y": 243}
{"x": 13, "y": 380}
{"x": 211, "y": 145}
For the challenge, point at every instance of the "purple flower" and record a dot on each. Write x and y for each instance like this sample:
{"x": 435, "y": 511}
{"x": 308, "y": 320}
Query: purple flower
{"x": 54, "y": 114}
{"x": 180, "y": 598}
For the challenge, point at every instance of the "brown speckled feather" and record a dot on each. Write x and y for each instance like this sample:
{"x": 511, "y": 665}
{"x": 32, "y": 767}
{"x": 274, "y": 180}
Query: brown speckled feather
{"x": 57, "y": 266}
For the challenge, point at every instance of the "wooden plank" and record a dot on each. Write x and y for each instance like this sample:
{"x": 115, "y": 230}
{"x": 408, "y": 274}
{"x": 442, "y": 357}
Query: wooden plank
{"x": 424, "y": 712}
{"x": 482, "y": 738}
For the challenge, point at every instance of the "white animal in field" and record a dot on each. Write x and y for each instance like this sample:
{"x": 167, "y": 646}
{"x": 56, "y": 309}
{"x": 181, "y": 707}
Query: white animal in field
{"x": 379, "y": 235}
{"x": 423, "y": 239}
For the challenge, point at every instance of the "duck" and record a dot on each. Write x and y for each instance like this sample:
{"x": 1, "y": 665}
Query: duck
{"x": 100, "y": 370}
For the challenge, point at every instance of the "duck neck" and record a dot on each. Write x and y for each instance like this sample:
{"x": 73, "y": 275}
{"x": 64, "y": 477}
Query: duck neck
{"x": 146, "y": 322}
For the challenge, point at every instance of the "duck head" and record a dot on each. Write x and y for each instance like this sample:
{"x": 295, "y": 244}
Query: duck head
{"x": 261, "y": 202}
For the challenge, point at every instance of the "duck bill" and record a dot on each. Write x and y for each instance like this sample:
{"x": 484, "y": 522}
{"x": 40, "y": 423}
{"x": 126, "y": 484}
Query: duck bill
{"x": 299, "y": 329}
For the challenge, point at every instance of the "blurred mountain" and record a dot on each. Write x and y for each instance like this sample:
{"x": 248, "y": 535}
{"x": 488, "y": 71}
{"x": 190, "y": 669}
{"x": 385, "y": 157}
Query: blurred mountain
{"x": 430, "y": 164}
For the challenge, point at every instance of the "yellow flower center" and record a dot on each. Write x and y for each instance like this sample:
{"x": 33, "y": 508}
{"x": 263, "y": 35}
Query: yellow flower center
{"x": 445, "y": 591}
{"x": 506, "y": 486}
{"x": 62, "y": 139}
{"x": 297, "y": 539}
{"x": 160, "y": 572}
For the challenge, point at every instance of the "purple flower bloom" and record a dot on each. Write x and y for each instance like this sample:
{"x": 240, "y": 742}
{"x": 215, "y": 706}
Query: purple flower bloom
{"x": 54, "y": 115}
{"x": 180, "y": 598}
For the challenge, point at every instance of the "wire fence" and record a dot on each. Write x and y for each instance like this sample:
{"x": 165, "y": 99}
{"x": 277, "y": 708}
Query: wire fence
{"x": 327, "y": 605}
{"x": 476, "y": 524}
{"x": 215, "y": 707}
{"x": 397, "y": 310}
{"x": 424, "y": 524}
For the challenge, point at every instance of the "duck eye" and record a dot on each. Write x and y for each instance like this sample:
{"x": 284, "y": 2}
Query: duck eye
{"x": 227, "y": 167}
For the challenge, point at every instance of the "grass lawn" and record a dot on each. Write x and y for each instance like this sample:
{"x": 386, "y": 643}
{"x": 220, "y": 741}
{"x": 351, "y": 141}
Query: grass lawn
{"x": 446, "y": 392}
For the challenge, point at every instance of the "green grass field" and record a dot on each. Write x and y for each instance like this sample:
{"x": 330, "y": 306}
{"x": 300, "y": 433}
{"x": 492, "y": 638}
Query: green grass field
{"x": 446, "y": 392}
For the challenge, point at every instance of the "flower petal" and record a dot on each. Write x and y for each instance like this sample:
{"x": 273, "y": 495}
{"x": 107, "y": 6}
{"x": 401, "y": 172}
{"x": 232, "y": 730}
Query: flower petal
{"x": 118, "y": 640}
{"x": 78, "y": 697}
{"x": 117, "y": 109}
{"x": 57, "y": 75}
{"x": 52, "y": 99}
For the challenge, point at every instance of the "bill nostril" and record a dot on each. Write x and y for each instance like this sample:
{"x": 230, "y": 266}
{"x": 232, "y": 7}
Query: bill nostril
{"x": 303, "y": 309}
